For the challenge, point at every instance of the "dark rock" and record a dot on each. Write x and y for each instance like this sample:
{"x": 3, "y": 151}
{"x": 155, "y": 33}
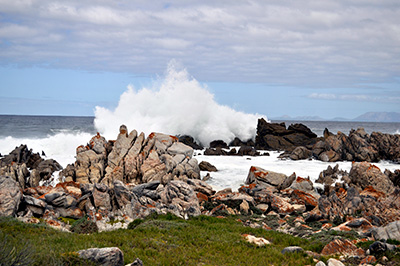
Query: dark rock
{"x": 331, "y": 175}
{"x": 47, "y": 167}
{"x": 300, "y": 128}
{"x": 206, "y": 166}
{"x": 103, "y": 256}
{"x": 248, "y": 150}
{"x": 219, "y": 144}
{"x": 217, "y": 151}
{"x": 188, "y": 140}
{"x": 238, "y": 143}
{"x": 393, "y": 176}
{"x": 274, "y": 136}
{"x": 379, "y": 247}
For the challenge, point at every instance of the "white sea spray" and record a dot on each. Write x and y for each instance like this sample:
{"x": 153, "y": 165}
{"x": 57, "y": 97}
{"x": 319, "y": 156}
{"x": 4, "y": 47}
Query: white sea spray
{"x": 176, "y": 104}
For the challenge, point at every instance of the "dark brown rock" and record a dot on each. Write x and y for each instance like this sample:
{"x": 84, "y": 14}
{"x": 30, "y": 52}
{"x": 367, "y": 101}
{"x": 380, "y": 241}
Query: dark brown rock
{"x": 206, "y": 166}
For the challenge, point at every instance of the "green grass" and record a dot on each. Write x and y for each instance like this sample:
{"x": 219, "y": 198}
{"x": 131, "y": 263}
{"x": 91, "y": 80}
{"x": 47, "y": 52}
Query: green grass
{"x": 164, "y": 240}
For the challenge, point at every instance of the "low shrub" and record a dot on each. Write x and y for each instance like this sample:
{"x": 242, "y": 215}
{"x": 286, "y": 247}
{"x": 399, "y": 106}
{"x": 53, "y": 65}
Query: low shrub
{"x": 84, "y": 226}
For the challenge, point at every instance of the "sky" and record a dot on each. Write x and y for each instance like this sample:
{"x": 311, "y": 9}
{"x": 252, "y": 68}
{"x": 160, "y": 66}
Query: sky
{"x": 330, "y": 58}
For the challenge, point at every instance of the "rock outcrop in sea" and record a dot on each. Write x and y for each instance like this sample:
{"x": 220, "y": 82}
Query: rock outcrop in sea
{"x": 299, "y": 143}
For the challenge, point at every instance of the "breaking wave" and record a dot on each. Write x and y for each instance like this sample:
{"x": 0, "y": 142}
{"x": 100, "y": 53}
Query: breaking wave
{"x": 176, "y": 104}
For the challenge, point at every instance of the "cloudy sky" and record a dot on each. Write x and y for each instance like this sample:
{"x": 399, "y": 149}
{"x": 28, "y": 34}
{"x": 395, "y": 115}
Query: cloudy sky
{"x": 328, "y": 58}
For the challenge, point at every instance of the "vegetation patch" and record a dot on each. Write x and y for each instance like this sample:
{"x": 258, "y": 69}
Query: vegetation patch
{"x": 163, "y": 240}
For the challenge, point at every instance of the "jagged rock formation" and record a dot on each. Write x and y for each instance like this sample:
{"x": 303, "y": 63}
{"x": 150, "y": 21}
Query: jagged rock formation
{"x": 274, "y": 136}
{"x": 357, "y": 146}
{"x": 132, "y": 158}
{"x": 28, "y": 168}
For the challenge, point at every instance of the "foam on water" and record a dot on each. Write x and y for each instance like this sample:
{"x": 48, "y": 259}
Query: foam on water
{"x": 60, "y": 147}
{"x": 176, "y": 104}
{"x": 233, "y": 170}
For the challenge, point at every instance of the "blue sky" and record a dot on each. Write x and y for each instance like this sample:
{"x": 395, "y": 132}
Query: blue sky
{"x": 325, "y": 58}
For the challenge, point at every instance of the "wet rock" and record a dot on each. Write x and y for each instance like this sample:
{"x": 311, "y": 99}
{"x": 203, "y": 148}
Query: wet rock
{"x": 274, "y": 136}
{"x": 219, "y": 144}
{"x": 103, "y": 256}
{"x": 188, "y": 140}
{"x": 300, "y": 153}
{"x": 206, "y": 166}
{"x": 10, "y": 196}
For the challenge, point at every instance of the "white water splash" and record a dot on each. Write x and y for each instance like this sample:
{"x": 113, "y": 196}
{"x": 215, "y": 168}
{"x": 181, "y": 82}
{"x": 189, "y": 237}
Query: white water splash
{"x": 177, "y": 104}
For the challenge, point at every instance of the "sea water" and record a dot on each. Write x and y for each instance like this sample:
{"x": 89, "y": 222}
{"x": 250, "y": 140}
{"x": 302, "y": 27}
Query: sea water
{"x": 59, "y": 136}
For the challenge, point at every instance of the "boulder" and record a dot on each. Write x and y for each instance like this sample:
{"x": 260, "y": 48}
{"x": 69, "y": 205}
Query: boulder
{"x": 274, "y": 136}
{"x": 206, "y": 166}
{"x": 219, "y": 144}
{"x": 364, "y": 174}
{"x": 292, "y": 249}
{"x": 335, "y": 262}
{"x": 137, "y": 262}
{"x": 343, "y": 247}
{"x": 259, "y": 241}
{"x": 180, "y": 148}
{"x": 390, "y": 231}
{"x": 262, "y": 177}
{"x": 379, "y": 247}
{"x": 103, "y": 256}
{"x": 10, "y": 196}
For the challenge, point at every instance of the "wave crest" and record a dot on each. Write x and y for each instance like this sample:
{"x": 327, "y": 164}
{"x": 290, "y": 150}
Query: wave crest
{"x": 177, "y": 104}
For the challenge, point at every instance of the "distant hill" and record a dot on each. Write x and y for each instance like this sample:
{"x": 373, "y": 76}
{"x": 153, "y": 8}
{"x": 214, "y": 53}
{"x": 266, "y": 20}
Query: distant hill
{"x": 379, "y": 117}
{"x": 367, "y": 117}
{"x": 299, "y": 118}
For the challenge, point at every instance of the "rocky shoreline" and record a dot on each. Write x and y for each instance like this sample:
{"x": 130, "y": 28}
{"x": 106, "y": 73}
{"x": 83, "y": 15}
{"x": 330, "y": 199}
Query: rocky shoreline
{"x": 135, "y": 176}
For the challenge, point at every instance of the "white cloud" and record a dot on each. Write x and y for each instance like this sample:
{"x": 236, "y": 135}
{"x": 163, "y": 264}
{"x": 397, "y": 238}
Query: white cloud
{"x": 313, "y": 43}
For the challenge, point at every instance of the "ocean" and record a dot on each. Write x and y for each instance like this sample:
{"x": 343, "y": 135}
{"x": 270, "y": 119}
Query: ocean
{"x": 58, "y": 137}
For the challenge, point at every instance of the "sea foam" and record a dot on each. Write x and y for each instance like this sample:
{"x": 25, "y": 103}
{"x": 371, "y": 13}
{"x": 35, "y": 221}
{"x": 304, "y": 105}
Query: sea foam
{"x": 176, "y": 104}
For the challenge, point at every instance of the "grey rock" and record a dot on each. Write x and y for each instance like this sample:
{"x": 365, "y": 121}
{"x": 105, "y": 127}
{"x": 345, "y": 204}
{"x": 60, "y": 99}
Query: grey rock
{"x": 365, "y": 174}
{"x": 320, "y": 263}
{"x": 103, "y": 256}
{"x": 181, "y": 196}
{"x": 264, "y": 177}
{"x": 335, "y": 262}
{"x": 292, "y": 249}
{"x": 10, "y": 196}
{"x": 180, "y": 148}
{"x": 137, "y": 262}
{"x": 390, "y": 231}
